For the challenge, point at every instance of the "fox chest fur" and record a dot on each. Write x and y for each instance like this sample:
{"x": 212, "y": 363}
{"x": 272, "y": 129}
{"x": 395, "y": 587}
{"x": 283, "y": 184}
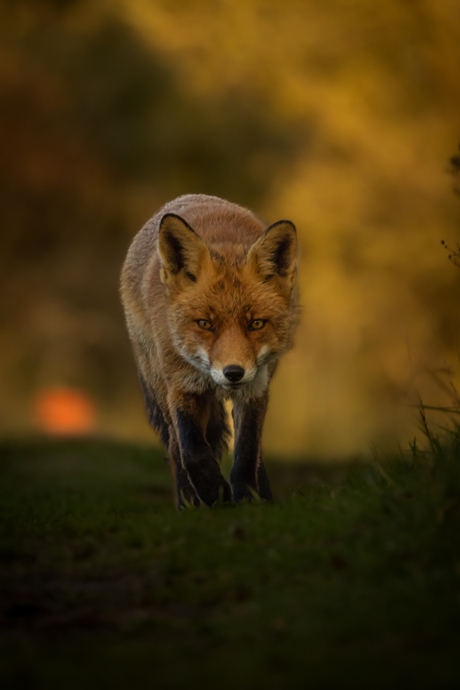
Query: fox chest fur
{"x": 209, "y": 298}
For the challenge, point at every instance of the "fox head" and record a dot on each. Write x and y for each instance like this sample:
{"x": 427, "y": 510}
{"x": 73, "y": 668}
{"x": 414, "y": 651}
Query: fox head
{"x": 230, "y": 309}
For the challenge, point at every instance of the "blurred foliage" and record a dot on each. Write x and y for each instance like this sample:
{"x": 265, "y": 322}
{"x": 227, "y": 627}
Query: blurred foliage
{"x": 342, "y": 116}
{"x": 97, "y": 132}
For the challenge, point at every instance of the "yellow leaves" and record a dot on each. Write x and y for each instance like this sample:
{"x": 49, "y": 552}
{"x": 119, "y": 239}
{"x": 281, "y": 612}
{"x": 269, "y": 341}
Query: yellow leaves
{"x": 369, "y": 195}
{"x": 376, "y": 87}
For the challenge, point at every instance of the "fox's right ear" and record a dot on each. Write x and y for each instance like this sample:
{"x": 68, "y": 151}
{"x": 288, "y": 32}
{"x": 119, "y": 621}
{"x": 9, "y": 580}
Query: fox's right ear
{"x": 182, "y": 252}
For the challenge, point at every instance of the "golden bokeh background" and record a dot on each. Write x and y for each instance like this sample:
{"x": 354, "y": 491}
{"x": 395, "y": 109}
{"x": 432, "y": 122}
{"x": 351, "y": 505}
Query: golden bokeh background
{"x": 341, "y": 116}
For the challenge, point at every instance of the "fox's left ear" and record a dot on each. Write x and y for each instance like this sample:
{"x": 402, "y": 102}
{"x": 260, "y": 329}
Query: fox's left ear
{"x": 275, "y": 253}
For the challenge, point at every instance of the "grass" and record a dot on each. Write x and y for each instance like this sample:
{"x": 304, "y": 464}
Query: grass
{"x": 351, "y": 577}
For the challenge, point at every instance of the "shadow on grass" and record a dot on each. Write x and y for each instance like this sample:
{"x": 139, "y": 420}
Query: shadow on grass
{"x": 352, "y": 575}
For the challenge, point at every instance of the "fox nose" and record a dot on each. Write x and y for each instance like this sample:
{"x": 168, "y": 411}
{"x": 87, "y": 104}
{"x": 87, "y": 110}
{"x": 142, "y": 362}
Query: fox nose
{"x": 233, "y": 373}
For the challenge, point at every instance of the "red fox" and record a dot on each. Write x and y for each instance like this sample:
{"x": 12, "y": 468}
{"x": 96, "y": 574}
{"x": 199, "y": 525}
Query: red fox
{"x": 209, "y": 298}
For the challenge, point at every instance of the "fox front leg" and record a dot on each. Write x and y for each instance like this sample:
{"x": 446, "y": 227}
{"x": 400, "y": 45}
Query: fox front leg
{"x": 191, "y": 418}
{"x": 263, "y": 483}
{"x": 248, "y": 473}
{"x": 185, "y": 494}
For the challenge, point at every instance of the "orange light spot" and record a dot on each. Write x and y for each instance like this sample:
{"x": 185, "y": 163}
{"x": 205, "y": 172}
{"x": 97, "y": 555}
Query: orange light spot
{"x": 63, "y": 411}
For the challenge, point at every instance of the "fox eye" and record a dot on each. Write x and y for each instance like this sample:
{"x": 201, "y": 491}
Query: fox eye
{"x": 205, "y": 325}
{"x": 257, "y": 324}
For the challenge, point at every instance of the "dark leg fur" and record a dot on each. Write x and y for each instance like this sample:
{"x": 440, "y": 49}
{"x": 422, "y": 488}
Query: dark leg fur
{"x": 184, "y": 491}
{"x": 182, "y": 487}
{"x": 263, "y": 483}
{"x": 217, "y": 431}
{"x": 199, "y": 461}
{"x": 197, "y": 474}
{"x": 154, "y": 413}
{"x": 248, "y": 472}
